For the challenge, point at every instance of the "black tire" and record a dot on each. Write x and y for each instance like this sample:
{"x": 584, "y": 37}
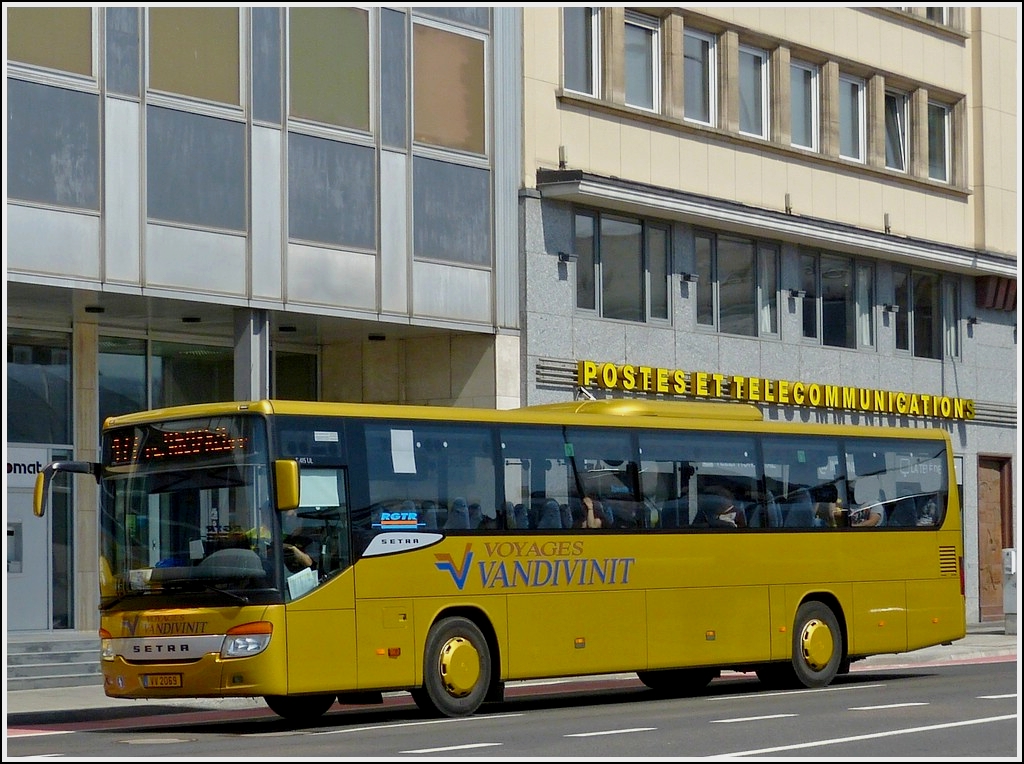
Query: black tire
{"x": 299, "y": 708}
{"x": 817, "y": 645}
{"x": 456, "y": 668}
{"x": 423, "y": 702}
{"x": 690, "y": 681}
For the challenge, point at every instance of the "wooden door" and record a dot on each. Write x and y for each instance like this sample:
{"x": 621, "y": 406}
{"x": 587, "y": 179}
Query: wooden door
{"x": 995, "y": 532}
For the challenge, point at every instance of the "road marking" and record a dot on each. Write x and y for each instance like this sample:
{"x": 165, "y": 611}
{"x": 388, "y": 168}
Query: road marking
{"x": 888, "y": 705}
{"x": 758, "y": 695}
{"x": 452, "y": 748}
{"x": 403, "y": 724}
{"x": 751, "y": 718}
{"x": 854, "y": 738}
{"x": 997, "y": 697}
{"x": 611, "y": 732}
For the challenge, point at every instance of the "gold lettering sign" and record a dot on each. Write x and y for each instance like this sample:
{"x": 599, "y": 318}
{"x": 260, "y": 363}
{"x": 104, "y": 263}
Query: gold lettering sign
{"x": 705, "y": 384}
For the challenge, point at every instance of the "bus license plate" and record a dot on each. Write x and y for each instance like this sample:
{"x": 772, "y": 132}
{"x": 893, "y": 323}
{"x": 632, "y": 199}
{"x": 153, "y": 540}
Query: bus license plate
{"x": 161, "y": 680}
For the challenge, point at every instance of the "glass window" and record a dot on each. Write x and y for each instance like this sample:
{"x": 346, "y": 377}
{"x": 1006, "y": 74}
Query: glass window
{"x": 901, "y": 302}
{"x": 580, "y": 35}
{"x": 846, "y": 290}
{"x": 657, "y": 251}
{"x": 444, "y": 474}
{"x": 55, "y": 38}
{"x": 603, "y": 467}
{"x": 703, "y": 246}
{"x": 536, "y": 470}
{"x": 807, "y": 477}
{"x": 38, "y": 395}
{"x": 737, "y": 279}
{"x": 195, "y": 52}
{"x": 838, "y": 317}
{"x": 896, "y": 131}
{"x": 809, "y": 302}
{"x": 736, "y": 286}
{"x": 753, "y": 82}
{"x": 586, "y": 261}
{"x": 919, "y": 318}
{"x": 851, "y": 118}
{"x": 185, "y": 373}
{"x": 700, "y": 81}
{"x": 951, "y": 317}
{"x": 123, "y": 376}
{"x": 449, "y": 89}
{"x": 767, "y": 289}
{"x": 804, "y": 105}
{"x": 622, "y": 267}
{"x": 329, "y": 66}
{"x": 938, "y": 15}
{"x": 643, "y": 61}
{"x": 865, "y": 305}
{"x": 938, "y": 141}
{"x": 685, "y": 476}
{"x": 927, "y": 317}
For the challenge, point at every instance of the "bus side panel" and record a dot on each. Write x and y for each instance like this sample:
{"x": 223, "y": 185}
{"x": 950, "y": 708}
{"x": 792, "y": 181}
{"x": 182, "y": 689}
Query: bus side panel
{"x": 934, "y": 614}
{"x": 321, "y": 636}
{"x": 878, "y": 623}
{"x": 707, "y": 626}
{"x": 576, "y": 633}
{"x": 386, "y": 647}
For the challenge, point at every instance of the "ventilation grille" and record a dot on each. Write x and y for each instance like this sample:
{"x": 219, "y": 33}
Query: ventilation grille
{"x": 948, "y": 561}
{"x": 556, "y": 373}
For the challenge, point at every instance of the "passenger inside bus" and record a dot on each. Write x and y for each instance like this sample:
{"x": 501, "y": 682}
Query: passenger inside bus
{"x": 864, "y": 512}
{"x": 593, "y": 514}
{"x": 720, "y": 508}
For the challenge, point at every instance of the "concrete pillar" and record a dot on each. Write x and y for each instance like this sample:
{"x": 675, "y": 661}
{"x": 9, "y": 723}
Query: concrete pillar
{"x": 85, "y": 498}
{"x": 252, "y": 355}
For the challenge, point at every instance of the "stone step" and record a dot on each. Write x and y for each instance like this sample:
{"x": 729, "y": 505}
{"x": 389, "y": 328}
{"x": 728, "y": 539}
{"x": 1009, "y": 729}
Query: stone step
{"x": 40, "y": 660}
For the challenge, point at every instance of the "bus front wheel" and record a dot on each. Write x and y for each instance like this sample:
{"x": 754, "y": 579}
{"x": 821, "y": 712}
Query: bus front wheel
{"x": 817, "y": 645}
{"x": 456, "y": 668}
{"x": 299, "y": 707}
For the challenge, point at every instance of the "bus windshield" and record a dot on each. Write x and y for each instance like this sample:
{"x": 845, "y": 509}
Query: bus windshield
{"x": 186, "y": 508}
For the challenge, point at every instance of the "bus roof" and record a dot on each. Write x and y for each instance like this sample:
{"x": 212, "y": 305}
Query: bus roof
{"x": 614, "y": 407}
{"x": 609, "y": 412}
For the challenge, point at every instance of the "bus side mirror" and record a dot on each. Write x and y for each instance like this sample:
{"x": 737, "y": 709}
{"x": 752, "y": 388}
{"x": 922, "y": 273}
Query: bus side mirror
{"x": 41, "y": 493}
{"x": 286, "y": 479}
{"x": 42, "y": 489}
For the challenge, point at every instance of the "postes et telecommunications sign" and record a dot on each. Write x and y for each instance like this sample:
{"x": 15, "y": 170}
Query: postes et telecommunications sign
{"x": 705, "y": 384}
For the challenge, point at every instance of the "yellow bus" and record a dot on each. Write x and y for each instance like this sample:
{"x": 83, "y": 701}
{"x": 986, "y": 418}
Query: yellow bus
{"x": 313, "y": 553}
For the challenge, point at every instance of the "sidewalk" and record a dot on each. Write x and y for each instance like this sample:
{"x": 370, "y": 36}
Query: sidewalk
{"x": 983, "y": 642}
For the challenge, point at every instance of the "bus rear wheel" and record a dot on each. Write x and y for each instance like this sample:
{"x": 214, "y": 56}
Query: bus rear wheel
{"x": 299, "y": 707}
{"x": 817, "y": 645}
{"x": 689, "y": 681}
{"x": 456, "y": 668}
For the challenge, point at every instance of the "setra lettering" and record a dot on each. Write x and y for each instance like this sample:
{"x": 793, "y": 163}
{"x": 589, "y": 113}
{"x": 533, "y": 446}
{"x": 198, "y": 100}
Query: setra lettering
{"x": 159, "y": 649}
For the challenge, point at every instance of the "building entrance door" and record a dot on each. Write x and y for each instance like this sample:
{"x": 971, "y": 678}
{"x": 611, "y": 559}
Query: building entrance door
{"x": 995, "y": 533}
{"x": 28, "y": 545}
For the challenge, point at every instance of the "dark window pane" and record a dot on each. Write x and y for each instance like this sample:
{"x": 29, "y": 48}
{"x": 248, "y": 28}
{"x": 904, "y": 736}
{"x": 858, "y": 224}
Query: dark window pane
{"x": 736, "y": 286}
{"x": 621, "y": 269}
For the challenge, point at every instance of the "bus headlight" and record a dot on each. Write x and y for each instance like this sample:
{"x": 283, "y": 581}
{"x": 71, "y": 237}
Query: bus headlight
{"x": 106, "y": 646}
{"x": 247, "y": 640}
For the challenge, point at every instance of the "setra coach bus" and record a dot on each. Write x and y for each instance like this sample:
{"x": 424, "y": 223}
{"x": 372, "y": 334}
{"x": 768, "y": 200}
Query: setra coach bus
{"x": 313, "y": 553}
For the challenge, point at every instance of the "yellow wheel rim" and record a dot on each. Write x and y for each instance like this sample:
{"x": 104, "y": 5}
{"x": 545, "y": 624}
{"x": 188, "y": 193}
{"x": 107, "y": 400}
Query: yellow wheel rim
{"x": 460, "y": 666}
{"x": 817, "y": 644}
